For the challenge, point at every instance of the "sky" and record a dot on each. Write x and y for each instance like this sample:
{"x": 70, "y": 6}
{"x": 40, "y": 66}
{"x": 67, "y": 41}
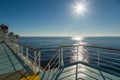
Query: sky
{"x": 61, "y": 17}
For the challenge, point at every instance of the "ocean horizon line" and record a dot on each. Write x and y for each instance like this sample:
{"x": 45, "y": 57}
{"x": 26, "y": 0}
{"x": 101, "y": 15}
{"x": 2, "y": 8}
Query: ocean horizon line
{"x": 64, "y": 36}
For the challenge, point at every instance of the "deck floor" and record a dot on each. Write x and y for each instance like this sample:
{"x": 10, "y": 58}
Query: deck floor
{"x": 8, "y": 62}
{"x": 11, "y": 68}
{"x": 84, "y": 73}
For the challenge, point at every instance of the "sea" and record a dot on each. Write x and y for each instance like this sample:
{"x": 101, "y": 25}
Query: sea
{"x": 55, "y": 42}
{"x": 49, "y": 45}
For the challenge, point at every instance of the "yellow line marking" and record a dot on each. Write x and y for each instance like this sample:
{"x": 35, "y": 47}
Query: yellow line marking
{"x": 33, "y": 76}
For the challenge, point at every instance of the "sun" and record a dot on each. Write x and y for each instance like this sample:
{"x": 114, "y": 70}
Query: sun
{"x": 80, "y": 8}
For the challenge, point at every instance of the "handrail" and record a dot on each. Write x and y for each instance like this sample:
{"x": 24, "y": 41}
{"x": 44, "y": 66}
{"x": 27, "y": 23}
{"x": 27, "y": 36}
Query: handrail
{"x": 24, "y": 45}
{"x": 75, "y": 46}
{"x": 25, "y": 55}
{"x": 91, "y": 47}
{"x": 99, "y": 61}
{"x": 52, "y": 58}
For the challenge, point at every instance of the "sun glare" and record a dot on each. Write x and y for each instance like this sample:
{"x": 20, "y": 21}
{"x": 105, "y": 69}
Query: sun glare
{"x": 80, "y": 7}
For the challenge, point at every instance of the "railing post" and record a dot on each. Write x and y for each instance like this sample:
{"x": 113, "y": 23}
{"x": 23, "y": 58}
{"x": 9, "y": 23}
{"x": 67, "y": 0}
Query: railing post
{"x": 48, "y": 66}
{"x": 77, "y": 63}
{"x": 98, "y": 63}
{"x": 27, "y": 54}
{"x": 39, "y": 59}
{"x": 77, "y": 52}
{"x": 22, "y": 49}
{"x": 18, "y": 48}
{"x": 12, "y": 47}
{"x": 62, "y": 62}
{"x": 15, "y": 47}
{"x": 35, "y": 59}
{"x": 59, "y": 58}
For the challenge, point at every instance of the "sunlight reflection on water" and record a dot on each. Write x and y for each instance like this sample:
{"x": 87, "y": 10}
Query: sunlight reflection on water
{"x": 79, "y": 52}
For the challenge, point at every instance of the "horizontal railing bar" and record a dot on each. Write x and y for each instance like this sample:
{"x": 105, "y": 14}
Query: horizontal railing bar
{"x": 109, "y": 61}
{"x": 92, "y": 47}
{"x": 55, "y": 65}
{"x": 104, "y": 57}
{"x": 44, "y": 59}
{"x": 110, "y": 53}
{"x": 93, "y": 58}
{"x": 93, "y": 62}
{"x": 68, "y": 57}
{"x": 52, "y": 58}
{"x": 56, "y": 60}
{"x": 110, "y": 66}
{"x": 27, "y": 47}
{"x": 68, "y": 52}
{"x": 81, "y": 45}
{"x": 92, "y": 52}
{"x": 105, "y": 61}
{"x": 69, "y": 60}
{"x": 110, "y": 57}
{"x": 49, "y": 50}
{"x": 23, "y": 45}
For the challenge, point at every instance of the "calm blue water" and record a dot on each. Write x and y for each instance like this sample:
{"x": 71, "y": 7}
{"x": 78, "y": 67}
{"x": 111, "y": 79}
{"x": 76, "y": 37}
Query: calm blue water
{"x": 53, "y": 42}
{"x": 45, "y": 44}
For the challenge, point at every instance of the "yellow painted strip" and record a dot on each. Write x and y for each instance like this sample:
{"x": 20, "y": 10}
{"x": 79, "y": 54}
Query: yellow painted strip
{"x": 33, "y": 76}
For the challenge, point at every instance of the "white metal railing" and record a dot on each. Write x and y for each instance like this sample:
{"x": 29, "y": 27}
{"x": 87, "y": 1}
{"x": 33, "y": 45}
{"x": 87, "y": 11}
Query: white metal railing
{"x": 106, "y": 59}
{"x": 99, "y": 57}
{"x": 29, "y": 55}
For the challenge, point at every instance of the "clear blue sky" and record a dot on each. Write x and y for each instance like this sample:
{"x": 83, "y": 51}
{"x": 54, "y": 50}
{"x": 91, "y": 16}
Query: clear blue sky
{"x": 57, "y": 18}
